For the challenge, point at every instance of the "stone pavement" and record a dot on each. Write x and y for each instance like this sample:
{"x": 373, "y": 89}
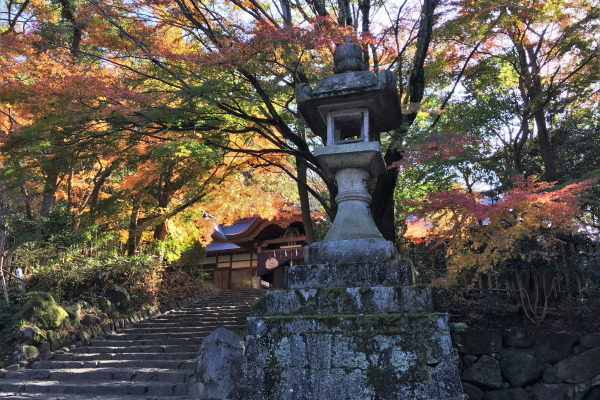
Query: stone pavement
{"x": 152, "y": 359}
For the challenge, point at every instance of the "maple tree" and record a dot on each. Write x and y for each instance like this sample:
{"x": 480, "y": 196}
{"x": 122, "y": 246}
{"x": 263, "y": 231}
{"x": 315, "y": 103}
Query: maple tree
{"x": 98, "y": 139}
{"x": 237, "y": 74}
{"x": 133, "y": 112}
{"x": 525, "y": 224}
{"x": 528, "y": 58}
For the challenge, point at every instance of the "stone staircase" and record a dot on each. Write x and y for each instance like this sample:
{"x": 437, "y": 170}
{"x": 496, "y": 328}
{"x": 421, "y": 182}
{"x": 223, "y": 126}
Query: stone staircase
{"x": 152, "y": 359}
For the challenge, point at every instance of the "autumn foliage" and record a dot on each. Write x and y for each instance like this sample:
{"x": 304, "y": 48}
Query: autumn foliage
{"x": 526, "y": 223}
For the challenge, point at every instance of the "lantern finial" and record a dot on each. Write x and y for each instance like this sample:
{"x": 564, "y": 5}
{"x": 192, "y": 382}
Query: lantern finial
{"x": 348, "y": 56}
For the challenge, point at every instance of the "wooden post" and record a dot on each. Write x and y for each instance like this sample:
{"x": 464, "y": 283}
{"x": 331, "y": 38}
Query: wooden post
{"x": 3, "y": 207}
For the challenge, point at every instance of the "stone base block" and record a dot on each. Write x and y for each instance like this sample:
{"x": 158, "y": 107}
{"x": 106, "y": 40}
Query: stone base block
{"x": 346, "y": 274}
{"x": 366, "y": 357}
{"x": 350, "y": 251}
{"x": 349, "y": 300}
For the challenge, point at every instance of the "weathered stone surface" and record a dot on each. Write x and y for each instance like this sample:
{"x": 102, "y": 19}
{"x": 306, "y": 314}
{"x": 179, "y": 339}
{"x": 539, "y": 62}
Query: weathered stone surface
{"x": 472, "y": 391}
{"x": 551, "y": 347}
{"x": 549, "y": 375}
{"x": 579, "y": 368}
{"x": 352, "y": 165}
{"x": 520, "y": 369}
{"x": 475, "y": 342}
{"x": 119, "y": 298}
{"x": 54, "y": 345}
{"x": 31, "y": 335}
{"x": 74, "y": 311}
{"x": 372, "y": 274}
{"x": 84, "y": 335}
{"x": 351, "y": 300}
{"x": 28, "y": 351}
{"x": 104, "y": 304}
{"x": 590, "y": 341}
{"x": 544, "y": 391}
{"x": 592, "y": 394}
{"x": 220, "y": 365}
{"x": 44, "y": 347}
{"x": 365, "y": 155}
{"x": 484, "y": 373}
{"x": 90, "y": 320}
{"x": 361, "y": 250}
{"x": 352, "y": 85}
{"x": 347, "y": 357}
{"x": 507, "y": 394}
{"x": 518, "y": 338}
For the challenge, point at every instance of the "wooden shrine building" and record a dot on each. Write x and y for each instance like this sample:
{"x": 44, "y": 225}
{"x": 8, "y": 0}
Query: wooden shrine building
{"x": 250, "y": 253}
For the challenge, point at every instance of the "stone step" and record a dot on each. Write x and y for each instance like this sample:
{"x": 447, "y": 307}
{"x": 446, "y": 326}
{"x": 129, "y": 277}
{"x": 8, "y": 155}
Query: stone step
{"x": 94, "y": 362}
{"x": 137, "y": 349}
{"x": 198, "y": 322}
{"x": 103, "y": 374}
{"x": 157, "y": 335}
{"x": 194, "y": 324}
{"x": 124, "y": 356}
{"x": 349, "y": 300}
{"x": 208, "y": 315}
{"x": 49, "y": 396}
{"x": 102, "y": 388}
{"x": 193, "y": 340}
{"x": 152, "y": 359}
{"x": 175, "y": 328}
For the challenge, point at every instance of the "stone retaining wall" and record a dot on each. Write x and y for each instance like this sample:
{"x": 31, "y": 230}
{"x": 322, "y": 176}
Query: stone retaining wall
{"x": 514, "y": 365}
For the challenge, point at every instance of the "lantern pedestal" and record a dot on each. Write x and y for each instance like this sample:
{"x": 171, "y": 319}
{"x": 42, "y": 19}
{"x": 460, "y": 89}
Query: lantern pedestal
{"x": 353, "y": 236}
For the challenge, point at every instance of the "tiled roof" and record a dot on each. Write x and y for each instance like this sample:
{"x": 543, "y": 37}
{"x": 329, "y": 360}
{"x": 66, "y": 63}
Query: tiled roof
{"x": 220, "y": 246}
{"x": 235, "y": 228}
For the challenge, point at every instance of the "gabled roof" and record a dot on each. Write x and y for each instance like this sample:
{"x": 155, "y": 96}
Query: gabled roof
{"x": 243, "y": 233}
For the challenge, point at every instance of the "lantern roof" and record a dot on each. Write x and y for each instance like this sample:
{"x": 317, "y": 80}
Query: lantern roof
{"x": 351, "y": 86}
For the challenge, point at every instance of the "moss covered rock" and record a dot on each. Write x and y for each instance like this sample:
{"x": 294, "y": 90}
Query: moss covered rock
{"x": 43, "y": 311}
{"x": 31, "y": 335}
{"x": 119, "y": 298}
{"x": 104, "y": 304}
{"x": 74, "y": 311}
{"x": 90, "y": 319}
{"x": 28, "y": 351}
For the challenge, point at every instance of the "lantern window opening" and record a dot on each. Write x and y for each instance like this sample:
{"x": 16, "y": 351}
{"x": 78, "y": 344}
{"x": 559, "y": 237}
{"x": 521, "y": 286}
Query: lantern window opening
{"x": 348, "y": 126}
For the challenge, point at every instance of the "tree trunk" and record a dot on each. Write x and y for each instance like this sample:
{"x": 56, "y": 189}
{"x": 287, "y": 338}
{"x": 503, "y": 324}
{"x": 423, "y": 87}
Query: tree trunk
{"x": 133, "y": 240}
{"x": 49, "y": 196}
{"x": 545, "y": 146}
{"x": 286, "y": 12}
{"x": 27, "y": 202}
{"x": 320, "y": 8}
{"x": 161, "y": 231}
{"x": 99, "y": 181}
{"x": 304, "y": 201}
{"x": 530, "y": 85}
{"x": 383, "y": 205}
{"x": 3, "y": 209}
{"x": 344, "y": 13}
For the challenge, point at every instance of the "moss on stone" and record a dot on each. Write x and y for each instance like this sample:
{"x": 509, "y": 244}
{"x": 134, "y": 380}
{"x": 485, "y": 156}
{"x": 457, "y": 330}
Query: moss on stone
{"x": 90, "y": 320}
{"x": 259, "y": 308}
{"x": 365, "y": 290}
{"x": 42, "y": 311}
{"x": 104, "y": 304}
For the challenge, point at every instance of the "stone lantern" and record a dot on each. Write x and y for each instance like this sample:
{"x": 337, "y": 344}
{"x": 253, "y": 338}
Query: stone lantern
{"x": 348, "y": 110}
{"x": 347, "y": 324}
